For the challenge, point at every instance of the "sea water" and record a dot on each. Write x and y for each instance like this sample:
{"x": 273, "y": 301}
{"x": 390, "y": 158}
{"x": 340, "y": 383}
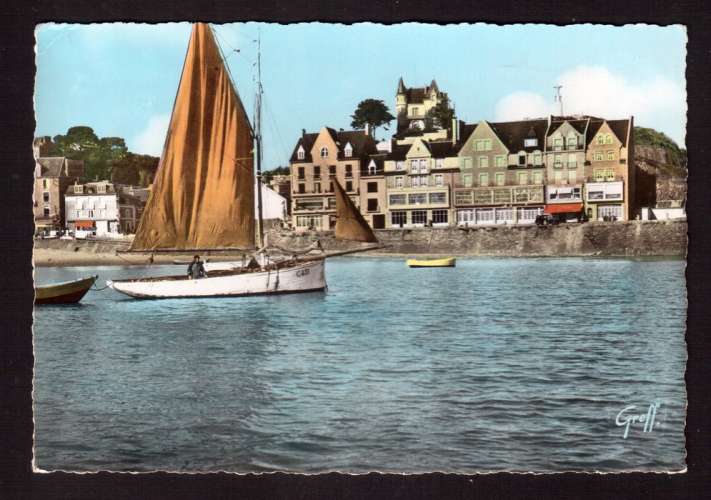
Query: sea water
{"x": 568, "y": 364}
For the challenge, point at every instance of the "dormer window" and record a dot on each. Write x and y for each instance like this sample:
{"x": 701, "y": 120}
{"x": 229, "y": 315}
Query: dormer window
{"x": 530, "y": 143}
{"x": 348, "y": 150}
{"x": 371, "y": 167}
{"x": 324, "y": 152}
{"x": 78, "y": 189}
{"x": 301, "y": 154}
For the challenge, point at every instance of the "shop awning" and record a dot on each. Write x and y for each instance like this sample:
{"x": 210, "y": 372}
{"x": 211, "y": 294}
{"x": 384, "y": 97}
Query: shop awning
{"x": 563, "y": 208}
{"x": 84, "y": 224}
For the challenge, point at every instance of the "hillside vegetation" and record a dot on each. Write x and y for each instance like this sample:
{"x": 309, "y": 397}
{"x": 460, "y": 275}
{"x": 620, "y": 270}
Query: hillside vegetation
{"x": 658, "y": 150}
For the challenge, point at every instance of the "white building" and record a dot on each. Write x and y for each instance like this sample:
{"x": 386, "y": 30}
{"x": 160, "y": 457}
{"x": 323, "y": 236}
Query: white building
{"x": 274, "y": 205}
{"x": 92, "y": 207}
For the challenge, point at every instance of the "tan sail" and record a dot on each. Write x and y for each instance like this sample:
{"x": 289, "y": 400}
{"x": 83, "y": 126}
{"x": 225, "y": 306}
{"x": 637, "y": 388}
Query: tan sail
{"x": 350, "y": 224}
{"x": 203, "y": 193}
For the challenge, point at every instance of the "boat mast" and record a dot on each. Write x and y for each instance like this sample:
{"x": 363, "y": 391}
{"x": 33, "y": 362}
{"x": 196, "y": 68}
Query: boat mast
{"x": 258, "y": 141}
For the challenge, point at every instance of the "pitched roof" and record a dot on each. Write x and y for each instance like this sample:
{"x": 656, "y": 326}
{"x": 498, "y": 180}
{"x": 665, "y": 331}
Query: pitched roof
{"x": 361, "y": 143}
{"x": 51, "y": 166}
{"x": 620, "y": 128}
{"x": 512, "y": 134}
{"x": 398, "y": 152}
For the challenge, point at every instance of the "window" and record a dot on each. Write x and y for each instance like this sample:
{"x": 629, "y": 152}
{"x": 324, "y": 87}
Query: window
{"x": 598, "y": 156}
{"x": 301, "y": 173}
{"x": 414, "y": 166}
{"x": 398, "y": 218}
{"x": 302, "y": 188}
{"x": 101, "y": 188}
{"x": 440, "y": 217}
{"x": 558, "y": 161}
{"x": 522, "y": 178}
{"x": 557, "y": 144}
{"x": 45, "y": 184}
{"x": 417, "y": 198}
{"x": 372, "y": 204}
{"x": 331, "y": 170}
{"x": 398, "y": 182}
{"x": 438, "y": 197}
{"x": 465, "y": 162}
{"x": 483, "y": 179}
{"x": 372, "y": 187}
{"x": 400, "y": 165}
{"x": 600, "y": 139}
{"x": 300, "y": 154}
{"x": 572, "y": 141}
{"x": 46, "y": 212}
{"x": 439, "y": 163}
{"x": 372, "y": 168}
{"x": 349, "y": 186}
{"x": 348, "y": 150}
{"x": 608, "y": 139}
{"x": 610, "y": 211}
{"x": 439, "y": 180}
{"x": 610, "y": 155}
{"x": 78, "y": 189}
{"x": 91, "y": 214}
{"x": 500, "y": 161}
{"x": 330, "y": 187}
{"x": 416, "y": 181}
{"x": 308, "y": 221}
{"x": 423, "y": 166}
{"x": 487, "y": 144}
{"x": 483, "y": 162}
{"x": 521, "y": 160}
{"x": 349, "y": 171}
{"x": 482, "y": 145}
{"x": 419, "y": 216}
{"x": 502, "y": 196}
{"x": 317, "y": 187}
{"x": 463, "y": 198}
{"x": 537, "y": 159}
{"x": 500, "y": 179}
{"x": 45, "y": 197}
{"x": 415, "y": 111}
{"x": 467, "y": 180}
{"x": 530, "y": 143}
{"x": 397, "y": 199}
{"x": 317, "y": 172}
{"x": 331, "y": 202}
{"x": 538, "y": 177}
{"x": 572, "y": 162}
{"x": 324, "y": 152}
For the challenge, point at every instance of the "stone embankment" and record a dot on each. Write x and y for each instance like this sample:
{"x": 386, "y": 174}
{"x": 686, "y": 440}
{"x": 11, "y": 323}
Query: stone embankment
{"x": 619, "y": 239}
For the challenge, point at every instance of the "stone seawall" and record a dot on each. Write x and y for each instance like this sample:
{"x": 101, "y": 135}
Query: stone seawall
{"x": 637, "y": 238}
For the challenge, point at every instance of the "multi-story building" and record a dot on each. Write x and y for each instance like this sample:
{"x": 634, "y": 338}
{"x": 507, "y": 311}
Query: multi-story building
{"x": 565, "y": 159}
{"x": 609, "y": 170}
{"x": 318, "y": 159}
{"x": 412, "y": 105}
{"x": 419, "y": 177}
{"x": 52, "y": 177}
{"x": 131, "y": 202}
{"x": 373, "y": 195}
{"x": 501, "y": 173}
{"x": 93, "y": 206}
{"x": 281, "y": 184}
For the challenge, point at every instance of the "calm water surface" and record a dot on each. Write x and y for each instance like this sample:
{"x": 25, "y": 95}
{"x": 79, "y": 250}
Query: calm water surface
{"x": 498, "y": 364}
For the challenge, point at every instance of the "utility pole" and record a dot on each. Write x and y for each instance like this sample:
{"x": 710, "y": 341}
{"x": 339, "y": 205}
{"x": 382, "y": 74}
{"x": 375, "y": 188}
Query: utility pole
{"x": 558, "y": 97}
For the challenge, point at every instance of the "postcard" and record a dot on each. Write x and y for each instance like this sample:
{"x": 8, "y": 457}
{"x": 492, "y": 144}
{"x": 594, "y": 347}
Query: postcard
{"x": 321, "y": 247}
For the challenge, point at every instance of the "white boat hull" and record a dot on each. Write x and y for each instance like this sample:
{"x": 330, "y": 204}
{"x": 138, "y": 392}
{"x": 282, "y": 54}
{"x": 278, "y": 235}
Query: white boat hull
{"x": 306, "y": 277}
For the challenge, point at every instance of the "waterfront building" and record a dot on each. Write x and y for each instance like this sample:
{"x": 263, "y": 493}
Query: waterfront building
{"x": 373, "y": 190}
{"x": 273, "y": 204}
{"x": 566, "y": 142}
{"x": 411, "y": 106}
{"x": 281, "y": 184}
{"x": 610, "y": 170}
{"x": 318, "y": 159}
{"x": 93, "y": 207}
{"x": 52, "y": 177}
{"x": 419, "y": 177}
{"x": 500, "y": 179}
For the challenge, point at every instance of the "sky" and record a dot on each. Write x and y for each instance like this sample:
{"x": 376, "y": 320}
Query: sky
{"x": 121, "y": 79}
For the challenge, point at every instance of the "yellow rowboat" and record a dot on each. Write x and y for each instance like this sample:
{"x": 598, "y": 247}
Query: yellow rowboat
{"x": 446, "y": 262}
{"x": 69, "y": 292}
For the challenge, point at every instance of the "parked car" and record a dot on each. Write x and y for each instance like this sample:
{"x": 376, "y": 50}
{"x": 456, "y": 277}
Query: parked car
{"x": 549, "y": 220}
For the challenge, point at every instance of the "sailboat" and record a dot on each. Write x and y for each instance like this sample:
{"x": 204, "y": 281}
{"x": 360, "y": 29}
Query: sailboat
{"x": 203, "y": 193}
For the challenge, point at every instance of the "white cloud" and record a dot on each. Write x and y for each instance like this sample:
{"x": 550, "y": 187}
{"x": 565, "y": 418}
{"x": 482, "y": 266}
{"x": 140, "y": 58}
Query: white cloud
{"x": 659, "y": 103}
{"x": 150, "y": 141}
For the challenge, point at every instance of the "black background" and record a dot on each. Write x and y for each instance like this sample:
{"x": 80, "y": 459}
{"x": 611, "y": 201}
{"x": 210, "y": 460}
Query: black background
{"x": 17, "y": 21}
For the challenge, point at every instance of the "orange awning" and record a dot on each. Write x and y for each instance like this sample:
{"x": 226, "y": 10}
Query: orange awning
{"x": 564, "y": 208}
{"x": 84, "y": 224}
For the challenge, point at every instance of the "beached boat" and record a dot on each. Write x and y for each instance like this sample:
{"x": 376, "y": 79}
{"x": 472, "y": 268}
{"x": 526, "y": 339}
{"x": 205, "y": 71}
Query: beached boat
{"x": 445, "y": 262}
{"x": 69, "y": 292}
{"x": 202, "y": 197}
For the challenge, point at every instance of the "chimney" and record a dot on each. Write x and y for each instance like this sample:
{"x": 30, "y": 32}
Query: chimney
{"x": 367, "y": 129}
{"x": 303, "y": 133}
{"x": 455, "y": 130}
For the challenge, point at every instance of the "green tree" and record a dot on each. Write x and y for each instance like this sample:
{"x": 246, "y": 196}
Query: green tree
{"x": 440, "y": 116}
{"x": 267, "y": 175}
{"x": 81, "y": 143}
{"x": 372, "y": 112}
{"x": 134, "y": 169}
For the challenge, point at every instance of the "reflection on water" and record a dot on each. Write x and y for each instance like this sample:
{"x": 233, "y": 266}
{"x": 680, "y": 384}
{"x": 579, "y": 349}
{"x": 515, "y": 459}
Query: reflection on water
{"x": 497, "y": 364}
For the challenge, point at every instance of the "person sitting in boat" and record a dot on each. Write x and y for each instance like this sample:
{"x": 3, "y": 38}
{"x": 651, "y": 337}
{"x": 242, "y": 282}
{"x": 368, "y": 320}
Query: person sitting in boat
{"x": 196, "y": 269}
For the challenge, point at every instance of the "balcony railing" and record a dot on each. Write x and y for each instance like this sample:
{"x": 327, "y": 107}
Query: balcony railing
{"x": 407, "y": 183}
{"x": 612, "y": 178}
{"x": 365, "y": 172}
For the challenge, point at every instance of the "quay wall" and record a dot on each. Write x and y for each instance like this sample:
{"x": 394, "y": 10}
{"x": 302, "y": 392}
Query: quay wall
{"x": 634, "y": 238}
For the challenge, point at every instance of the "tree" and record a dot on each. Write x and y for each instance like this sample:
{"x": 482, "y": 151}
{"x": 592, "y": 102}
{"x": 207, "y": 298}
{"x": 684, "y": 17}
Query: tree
{"x": 441, "y": 115}
{"x": 81, "y": 143}
{"x": 268, "y": 175}
{"x": 134, "y": 169}
{"x": 372, "y": 112}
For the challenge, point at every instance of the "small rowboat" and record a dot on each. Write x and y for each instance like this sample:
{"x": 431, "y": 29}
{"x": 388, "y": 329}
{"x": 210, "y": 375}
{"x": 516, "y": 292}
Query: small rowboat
{"x": 69, "y": 292}
{"x": 446, "y": 262}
